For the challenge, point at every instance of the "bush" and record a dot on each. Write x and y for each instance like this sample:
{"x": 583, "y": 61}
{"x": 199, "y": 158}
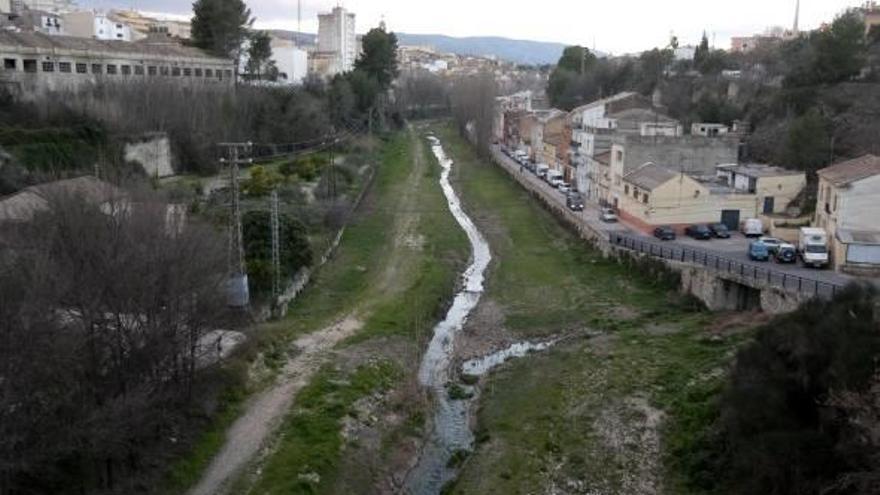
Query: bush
{"x": 296, "y": 252}
{"x": 783, "y": 427}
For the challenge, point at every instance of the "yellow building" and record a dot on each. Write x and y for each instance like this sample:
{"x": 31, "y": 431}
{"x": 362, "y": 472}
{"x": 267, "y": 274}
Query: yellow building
{"x": 653, "y": 195}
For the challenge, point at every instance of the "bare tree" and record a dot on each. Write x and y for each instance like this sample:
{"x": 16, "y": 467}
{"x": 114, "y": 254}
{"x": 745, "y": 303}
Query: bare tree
{"x": 103, "y": 308}
{"x": 473, "y": 107}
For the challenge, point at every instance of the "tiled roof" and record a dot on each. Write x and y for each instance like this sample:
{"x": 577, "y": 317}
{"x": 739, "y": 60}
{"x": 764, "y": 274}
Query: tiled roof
{"x": 649, "y": 176}
{"x": 845, "y": 173}
{"x": 37, "y": 40}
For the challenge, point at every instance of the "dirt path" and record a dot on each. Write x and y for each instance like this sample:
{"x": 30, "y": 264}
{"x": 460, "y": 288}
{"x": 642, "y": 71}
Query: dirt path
{"x": 251, "y": 431}
{"x": 263, "y": 415}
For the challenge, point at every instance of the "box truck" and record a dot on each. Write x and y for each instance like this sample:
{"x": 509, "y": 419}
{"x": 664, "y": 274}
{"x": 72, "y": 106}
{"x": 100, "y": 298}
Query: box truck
{"x": 813, "y": 247}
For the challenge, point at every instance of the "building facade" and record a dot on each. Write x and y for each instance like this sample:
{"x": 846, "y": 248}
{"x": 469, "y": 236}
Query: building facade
{"x": 654, "y": 195}
{"x": 54, "y": 6}
{"x": 848, "y": 208}
{"x": 336, "y": 35}
{"x": 34, "y": 63}
{"x": 92, "y": 24}
{"x": 292, "y": 62}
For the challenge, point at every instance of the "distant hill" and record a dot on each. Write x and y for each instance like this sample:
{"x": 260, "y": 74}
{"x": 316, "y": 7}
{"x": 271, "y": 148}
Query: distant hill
{"x": 519, "y": 51}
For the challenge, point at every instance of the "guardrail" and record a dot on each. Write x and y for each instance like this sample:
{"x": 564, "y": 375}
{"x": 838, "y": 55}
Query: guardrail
{"x": 760, "y": 275}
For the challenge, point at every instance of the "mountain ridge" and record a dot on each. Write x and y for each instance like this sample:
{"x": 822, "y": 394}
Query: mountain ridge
{"x": 519, "y": 51}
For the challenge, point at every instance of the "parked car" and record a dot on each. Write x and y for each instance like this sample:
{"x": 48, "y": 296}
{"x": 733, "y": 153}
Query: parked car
{"x": 607, "y": 215}
{"x": 700, "y": 232}
{"x": 665, "y": 233}
{"x": 720, "y": 230}
{"x": 758, "y": 251}
{"x": 564, "y": 188}
{"x": 574, "y": 202}
{"x": 786, "y": 253}
{"x": 753, "y": 227}
{"x": 772, "y": 243}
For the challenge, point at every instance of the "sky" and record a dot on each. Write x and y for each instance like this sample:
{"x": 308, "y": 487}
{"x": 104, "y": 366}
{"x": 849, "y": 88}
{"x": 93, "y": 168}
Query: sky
{"x": 614, "y": 26}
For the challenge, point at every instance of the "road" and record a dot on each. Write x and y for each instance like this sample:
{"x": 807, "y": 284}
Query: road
{"x": 735, "y": 248}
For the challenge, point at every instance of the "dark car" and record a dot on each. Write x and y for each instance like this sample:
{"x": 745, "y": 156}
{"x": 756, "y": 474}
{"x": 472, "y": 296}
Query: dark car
{"x": 700, "y": 232}
{"x": 574, "y": 202}
{"x": 720, "y": 230}
{"x": 758, "y": 251}
{"x": 664, "y": 233}
{"x": 786, "y": 253}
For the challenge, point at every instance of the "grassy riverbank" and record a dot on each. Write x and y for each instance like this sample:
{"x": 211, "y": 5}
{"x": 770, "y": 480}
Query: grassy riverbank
{"x": 611, "y": 413}
{"x": 397, "y": 266}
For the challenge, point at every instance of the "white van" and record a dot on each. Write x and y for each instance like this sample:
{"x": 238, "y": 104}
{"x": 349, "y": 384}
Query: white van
{"x": 753, "y": 227}
{"x": 555, "y": 178}
{"x": 541, "y": 170}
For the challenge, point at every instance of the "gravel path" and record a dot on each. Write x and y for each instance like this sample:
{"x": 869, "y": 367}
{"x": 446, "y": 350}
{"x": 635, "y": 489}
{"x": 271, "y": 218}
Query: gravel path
{"x": 250, "y": 431}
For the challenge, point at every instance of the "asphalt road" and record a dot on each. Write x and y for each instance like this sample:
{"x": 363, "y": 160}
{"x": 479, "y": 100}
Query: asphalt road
{"x": 735, "y": 248}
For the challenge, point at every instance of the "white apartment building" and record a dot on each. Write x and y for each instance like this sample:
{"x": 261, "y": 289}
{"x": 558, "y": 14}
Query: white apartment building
{"x": 336, "y": 36}
{"x": 97, "y": 25}
{"x": 292, "y": 61}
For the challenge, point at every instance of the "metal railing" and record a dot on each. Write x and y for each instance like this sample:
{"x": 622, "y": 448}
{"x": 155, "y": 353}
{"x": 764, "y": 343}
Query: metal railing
{"x": 751, "y": 273}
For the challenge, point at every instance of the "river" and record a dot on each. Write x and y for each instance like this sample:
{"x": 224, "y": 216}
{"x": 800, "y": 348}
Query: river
{"x": 451, "y": 423}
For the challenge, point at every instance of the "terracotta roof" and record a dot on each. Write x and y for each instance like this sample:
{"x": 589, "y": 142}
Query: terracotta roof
{"x": 845, "y": 173}
{"x": 37, "y": 41}
{"x": 649, "y": 176}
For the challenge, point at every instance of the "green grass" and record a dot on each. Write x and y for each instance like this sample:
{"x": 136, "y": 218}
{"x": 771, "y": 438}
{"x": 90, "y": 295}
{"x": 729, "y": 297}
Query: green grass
{"x": 401, "y": 305}
{"x": 538, "y": 415}
{"x": 312, "y": 436}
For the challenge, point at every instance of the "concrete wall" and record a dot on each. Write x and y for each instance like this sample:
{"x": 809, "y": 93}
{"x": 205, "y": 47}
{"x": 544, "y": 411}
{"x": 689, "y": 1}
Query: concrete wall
{"x": 153, "y": 153}
{"x": 694, "y": 154}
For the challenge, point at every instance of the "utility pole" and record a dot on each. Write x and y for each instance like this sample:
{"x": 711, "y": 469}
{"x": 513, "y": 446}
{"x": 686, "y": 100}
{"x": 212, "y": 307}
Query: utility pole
{"x": 236, "y": 154}
{"x": 276, "y": 245}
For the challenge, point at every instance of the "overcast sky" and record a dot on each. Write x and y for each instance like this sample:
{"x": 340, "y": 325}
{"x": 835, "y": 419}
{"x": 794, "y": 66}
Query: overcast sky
{"x": 617, "y": 26}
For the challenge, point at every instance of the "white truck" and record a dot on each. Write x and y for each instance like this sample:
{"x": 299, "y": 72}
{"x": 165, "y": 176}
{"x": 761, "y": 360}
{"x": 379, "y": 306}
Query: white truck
{"x": 813, "y": 247}
{"x": 541, "y": 170}
{"x": 555, "y": 178}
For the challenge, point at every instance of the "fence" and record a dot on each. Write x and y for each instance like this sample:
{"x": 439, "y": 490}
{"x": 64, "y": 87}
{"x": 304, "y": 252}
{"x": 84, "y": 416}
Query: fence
{"x": 751, "y": 273}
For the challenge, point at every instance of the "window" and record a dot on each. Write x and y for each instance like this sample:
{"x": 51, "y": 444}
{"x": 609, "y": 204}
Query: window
{"x": 219, "y": 74}
{"x": 228, "y": 73}
{"x": 96, "y": 69}
{"x": 82, "y": 68}
{"x": 645, "y": 198}
{"x": 836, "y": 202}
{"x": 10, "y": 63}
{"x": 119, "y": 26}
{"x": 126, "y": 70}
{"x": 64, "y": 67}
{"x": 111, "y": 69}
{"x": 619, "y": 156}
{"x": 175, "y": 71}
{"x": 48, "y": 66}
{"x": 151, "y": 70}
{"x": 30, "y": 65}
{"x": 165, "y": 71}
{"x": 119, "y": 36}
{"x": 209, "y": 73}
{"x": 138, "y": 70}
{"x": 198, "y": 72}
{"x": 187, "y": 72}
{"x": 626, "y": 190}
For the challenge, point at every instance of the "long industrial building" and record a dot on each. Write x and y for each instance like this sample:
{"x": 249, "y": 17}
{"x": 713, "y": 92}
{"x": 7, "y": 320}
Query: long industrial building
{"x": 36, "y": 63}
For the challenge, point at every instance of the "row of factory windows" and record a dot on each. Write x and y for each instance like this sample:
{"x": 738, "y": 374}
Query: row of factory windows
{"x": 30, "y": 66}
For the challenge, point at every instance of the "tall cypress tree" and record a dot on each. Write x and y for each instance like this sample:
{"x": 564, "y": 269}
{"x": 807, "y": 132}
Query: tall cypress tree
{"x": 220, "y": 26}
